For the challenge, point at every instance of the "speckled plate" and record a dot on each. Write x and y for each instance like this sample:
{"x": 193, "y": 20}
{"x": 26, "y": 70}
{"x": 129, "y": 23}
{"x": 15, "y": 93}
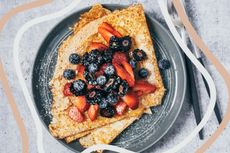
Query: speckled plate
{"x": 150, "y": 128}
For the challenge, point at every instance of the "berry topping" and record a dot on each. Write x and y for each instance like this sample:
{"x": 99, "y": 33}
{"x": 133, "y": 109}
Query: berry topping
{"x": 104, "y": 103}
{"x": 123, "y": 88}
{"x": 115, "y": 43}
{"x": 76, "y": 115}
{"x": 121, "y": 107}
{"x": 143, "y": 73}
{"x": 109, "y": 28}
{"x": 93, "y": 111}
{"x": 112, "y": 83}
{"x": 74, "y": 58}
{"x": 94, "y": 96}
{"x": 124, "y": 75}
{"x": 133, "y": 63}
{"x": 164, "y": 64}
{"x": 92, "y": 67}
{"x": 108, "y": 55}
{"x": 95, "y": 56}
{"x": 126, "y": 43}
{"x": 90, "y": 78}
{"x": 66, "y": 90}
{"x": 69, "y": 74}
{"x": 98, "y": 46}
{"x": 78, "y": 87}
{"x": 139, "y": 55}
{"x": 101, "y": 80}
{"x": 80, "y": 71}
{"x": 81, "y": 104}
{"x": 118, "y": 57}
{"x": 143, "y": 87}
{"x": 108, "y": 111}
{"x": 131, "y": 100}
{"x": 109, "y": 70}
{"x": 112, "y": 98}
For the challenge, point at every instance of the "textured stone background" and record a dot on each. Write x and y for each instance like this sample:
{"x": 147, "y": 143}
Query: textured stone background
{"x": 212, "y": 21}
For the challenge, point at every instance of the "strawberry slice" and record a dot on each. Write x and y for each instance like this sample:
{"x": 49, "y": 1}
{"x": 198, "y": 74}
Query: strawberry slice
{"x": 121, "y": 72}
{"x": 66, "y": 90}
{"x": 121, "y": 107}
{"x": 128, "y": 68}
{"x": 81, "y": 104}
{"x": 97, "y": 45}
{"x": 76, "y": 115}
{"x": 105, "y": 34}
{"x": 118, "y": 57}
{"x": 93, "y": 111}
{"x": 144, "y": 87}
{"x": 131, "y": 100}
{"x": 109, "y": 28}
{"x": 80, "y": 71}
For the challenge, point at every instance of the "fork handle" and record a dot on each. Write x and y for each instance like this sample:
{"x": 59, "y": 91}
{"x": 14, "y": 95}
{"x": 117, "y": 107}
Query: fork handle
{"x": 216, "y": 108}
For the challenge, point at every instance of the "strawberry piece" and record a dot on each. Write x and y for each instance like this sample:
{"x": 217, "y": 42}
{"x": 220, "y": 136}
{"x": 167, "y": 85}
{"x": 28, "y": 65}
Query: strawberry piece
{"x": 80, "y": 71}
{"x": 90, "y": 86}
{"x": 76, "y": 115}
{"x": 121, "y": 107}
{"x": 121, "y": 72}
{"x": 81, "y": 104}
{"x": 118, "y": 57}
{"x": 131, "y": 100}
{"x": 66, "y": 90}
{"x": 109, "y": 28}
{"x": 129, "y": 69}
{"x": 105, "y": 34}
{"x": 144, "y": 87}
{"x": 93, "y": 111}
{"x": 97, "y": 45}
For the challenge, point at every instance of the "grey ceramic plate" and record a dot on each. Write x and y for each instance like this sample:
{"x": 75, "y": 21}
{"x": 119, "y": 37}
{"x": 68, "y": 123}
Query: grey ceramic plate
{"x": 150, "y": 128}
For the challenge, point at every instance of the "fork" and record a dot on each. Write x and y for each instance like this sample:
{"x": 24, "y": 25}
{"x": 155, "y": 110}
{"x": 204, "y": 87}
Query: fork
{"x": 192, "y": 83}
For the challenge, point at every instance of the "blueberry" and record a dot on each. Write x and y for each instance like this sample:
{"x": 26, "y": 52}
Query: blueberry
{"x": 126, "y": 43}
{"x": 115, "y": 43}
{"x": 112, "y": 98}
{"x": 104, "y": 103}
{"x": 93, "y": 67}
{"x": 74, "y": 58}
{"x": 94, "y": 96}
{"x": 164, "y": 64}
{"x": 108, "y": 111}
{"x": 133, "y": 63}
{"x": 90, "y": 77}
{"x": 143, "y": 73}
{"x": 69, "y": 74}
{"x": 78, "y": 87}
{"x": 139, "y": 55}
{"x": 109, "y": 70}
{"x": 123, "y": 88}
{"x": 108, "y": 56}
{"x": 101, "y": 80}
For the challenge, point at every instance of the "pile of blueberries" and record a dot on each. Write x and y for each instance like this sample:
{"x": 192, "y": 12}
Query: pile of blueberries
{"x": 108, "y": 86}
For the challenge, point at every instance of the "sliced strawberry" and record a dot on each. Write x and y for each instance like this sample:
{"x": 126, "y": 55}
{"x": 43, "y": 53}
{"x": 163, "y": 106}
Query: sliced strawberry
{"x": 80, "y": 71}
{"x": 121, "y": 72}
{"x": 128, "y": 68}
{"x": 105, "y": 34}
{"x": 93, "y": 111}
{"x": 97, "y": 45}
{"x": 66, "y": 90}
{"x": 118, "y": 57}
{"x": 76, "y": 115}
{"x": 90, "y": 86}
{"x": 131, "y": 100}
{"x": 81, "y": 104}
{"x": 109, "y": 28}
{"x": 121, "y": 107}
{"x": 144, "y": 87}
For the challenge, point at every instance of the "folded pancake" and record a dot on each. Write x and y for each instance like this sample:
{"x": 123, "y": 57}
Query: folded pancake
{"x": 130, "y": 21}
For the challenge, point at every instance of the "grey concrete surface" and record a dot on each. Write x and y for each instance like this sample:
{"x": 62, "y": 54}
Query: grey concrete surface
{"x": 212, "y": 21}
